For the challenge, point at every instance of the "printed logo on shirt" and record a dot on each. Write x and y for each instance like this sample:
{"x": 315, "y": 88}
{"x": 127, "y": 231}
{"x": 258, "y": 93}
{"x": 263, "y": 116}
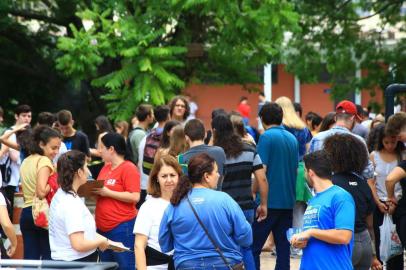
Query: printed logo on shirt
{"x": 353, "y": 184}
{"x": 311, "y": 217}
{"x": 110, "y": 182}
{"x": 198, "y": 200}
{"x": 68, "y": 145}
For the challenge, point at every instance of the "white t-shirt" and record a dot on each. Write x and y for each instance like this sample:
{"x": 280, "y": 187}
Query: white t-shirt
{"x": 144, "y": 177}
{"x": 62, "y": 150}
{"x": 14, "y": 165}
{"x": 2, "y": 203}
{"x": 148, "y": 221}
{"x": 67, "y": 215}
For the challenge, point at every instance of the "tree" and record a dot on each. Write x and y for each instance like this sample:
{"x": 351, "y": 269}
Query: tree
{"x": 149, "y": 50}
{"x": 334, "y": 37}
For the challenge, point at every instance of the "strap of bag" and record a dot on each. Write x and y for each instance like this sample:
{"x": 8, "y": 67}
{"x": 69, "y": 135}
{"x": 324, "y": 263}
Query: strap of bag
{"x": 208, "y": 235}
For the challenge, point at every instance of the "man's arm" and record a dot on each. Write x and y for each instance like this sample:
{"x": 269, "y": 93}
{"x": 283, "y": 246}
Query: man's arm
{"x": 334, "y": 236}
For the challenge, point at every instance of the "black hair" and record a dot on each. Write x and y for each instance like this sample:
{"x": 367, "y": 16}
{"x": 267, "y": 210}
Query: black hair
{"x": 68, "y": 164}
{"x": 298, "y": 108}
{"x": 375, "y": 140}
{"x": 327, "y": 121}
{"x": 161, "y": 113}
{"x": 23, "y": 108}
{"x": 117, "y": 141}
{"x": 194, "y": 129}
{"x": 165, "y": 140}
{"x": 41, "y": 134}
{"x": 46, "y": 118}
{"x": 225, "y": 137}
{"x": 319, "y": 162}
{"x": 271, "y": 114}
{"x": 217, "y": 111}
{"x": 347, "y": 152}
{"x": 104, "y": 124}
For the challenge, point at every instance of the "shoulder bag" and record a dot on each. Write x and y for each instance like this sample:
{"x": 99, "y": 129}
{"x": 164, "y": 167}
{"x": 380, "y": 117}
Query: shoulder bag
{"x": 238, "y": 266}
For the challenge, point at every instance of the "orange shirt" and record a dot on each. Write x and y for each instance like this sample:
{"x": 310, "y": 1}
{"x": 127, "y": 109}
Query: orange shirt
{"x": 110, "y": 212}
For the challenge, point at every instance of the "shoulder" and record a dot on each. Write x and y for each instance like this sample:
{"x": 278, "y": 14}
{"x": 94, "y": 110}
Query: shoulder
{"x": 341, "y": 194}
{"x": 128, "y": 165}
{"x": 81, "y": 134}
{"x": 216, "y": 149}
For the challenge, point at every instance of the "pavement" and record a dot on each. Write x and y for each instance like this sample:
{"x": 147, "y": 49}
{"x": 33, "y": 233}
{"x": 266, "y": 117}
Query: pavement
{"x": 268, "y": 262}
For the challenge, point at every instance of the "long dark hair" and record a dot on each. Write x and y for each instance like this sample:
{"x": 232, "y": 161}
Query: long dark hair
{"x": 68, "y": 164}
{"x": 197, "y": 167}
{"x": 375, "y": 140}
{"x": 104, "y": 124}
{"x": 165, "y": 141}
{"x": 118, "y": 142}
{"x": 225, "y": 137}
{"x": 327, "y": 121}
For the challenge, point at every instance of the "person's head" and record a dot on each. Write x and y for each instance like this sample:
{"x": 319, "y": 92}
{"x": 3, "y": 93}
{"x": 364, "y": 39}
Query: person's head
{"x": 347, "y": 114}
{"x": 347, "y": 152}
{"x": 121, "y": 128}
{"x": 271, "y": 114}
{"x": 378, "y": 140}
{"x": 261, "y": 97}
{"x": 318, "y": 167}
{"x": 298, "y": 109}
{"x": 65, "y": 122}
{"x": 396, "y": 126}
{"x": 243, "y": 100}
{"x": 102, "y": 124}
{"x": 217, "y": 111}
{"x": 45, "y": 141}
{"x": 180, "y": 109}
{"x": 145, "y": 113}
{"x": 177, "y": 141}
{"x": 194, "y": 130}
{"x": 46, "y": 118}
{"x": 167, "y": 132}
{"x": 379, "y": 119}
{"x": 360, "y": 113}
{"x": 290, "y": 118}
{"x": 22, "y": 114}
{"x": 238, "y": 125}
{"x": 328, "y": 121}
{"x": 112, "y": 145}
{"x": 161, "y": 113}
{"x": 164, "y": 176}
{"x": 313, "y": 120}
{"x": 72, "y": 170}
{"x": 224, "y": 136}
{"x": 203, "y": 170}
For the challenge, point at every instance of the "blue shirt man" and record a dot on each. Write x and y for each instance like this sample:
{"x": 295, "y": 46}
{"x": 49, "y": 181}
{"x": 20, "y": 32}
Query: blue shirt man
{"x": 278, "y": 150}
{"x": 328, "y": 222}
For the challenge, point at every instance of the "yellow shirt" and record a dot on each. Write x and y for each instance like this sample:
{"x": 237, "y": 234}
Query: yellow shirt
{"x": 29, "y": 170}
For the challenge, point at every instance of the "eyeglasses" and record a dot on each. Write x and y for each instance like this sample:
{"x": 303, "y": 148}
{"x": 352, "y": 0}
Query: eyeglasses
{"x": 180, "y": 105}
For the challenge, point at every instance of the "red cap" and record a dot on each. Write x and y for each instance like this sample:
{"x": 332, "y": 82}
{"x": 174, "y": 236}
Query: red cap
{"x": 348, "y": 107}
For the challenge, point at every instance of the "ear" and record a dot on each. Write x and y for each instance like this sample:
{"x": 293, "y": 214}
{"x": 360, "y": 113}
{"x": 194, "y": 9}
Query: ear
{"x": 72, "y": 122}
{"x": 15, "y": 117}
{"x": 41, "y": 145}
{"x": 187, "y": 139}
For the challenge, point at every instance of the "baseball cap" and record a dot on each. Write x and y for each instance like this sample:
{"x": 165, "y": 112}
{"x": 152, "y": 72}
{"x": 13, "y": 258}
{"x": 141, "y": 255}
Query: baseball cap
{"x": 348, "y": 107}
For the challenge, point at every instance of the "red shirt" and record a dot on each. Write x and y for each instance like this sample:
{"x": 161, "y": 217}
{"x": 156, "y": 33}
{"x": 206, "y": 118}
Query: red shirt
{"x": 244, "y": 110}
{"x": 111, "y": 212}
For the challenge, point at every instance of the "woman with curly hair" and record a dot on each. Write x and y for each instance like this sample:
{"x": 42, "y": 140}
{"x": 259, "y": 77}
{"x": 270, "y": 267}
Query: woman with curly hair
{"x": 219, "y": 213}
{"x": 349, "y": 158}
{"x": 180, "y": 109}
{"x": 72, "y": 229}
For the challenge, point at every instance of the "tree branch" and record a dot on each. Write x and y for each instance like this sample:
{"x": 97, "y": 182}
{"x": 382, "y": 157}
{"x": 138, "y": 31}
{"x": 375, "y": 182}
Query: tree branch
{"x": 378, "y": 12}
{"x": 36, "y": 16}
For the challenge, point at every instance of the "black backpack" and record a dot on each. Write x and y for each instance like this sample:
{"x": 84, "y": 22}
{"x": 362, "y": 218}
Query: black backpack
{"x": 6, "y": 171}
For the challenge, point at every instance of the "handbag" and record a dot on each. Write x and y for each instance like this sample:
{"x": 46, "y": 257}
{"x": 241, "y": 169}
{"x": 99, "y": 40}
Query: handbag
{"x": 238, "y": 266}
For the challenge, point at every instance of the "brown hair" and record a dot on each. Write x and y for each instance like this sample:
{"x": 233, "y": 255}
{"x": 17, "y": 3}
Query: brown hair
{"x": 197, "y": 167}
{"x": 68, "y": 165}
{"x": 124, "y": 125}
{"x": 395, "y": 124}
{"x": 64, "y": 117}
{"x": 172, "y": 104}
{"x": 177, "y": 142}
{"x": 153, "y": 188}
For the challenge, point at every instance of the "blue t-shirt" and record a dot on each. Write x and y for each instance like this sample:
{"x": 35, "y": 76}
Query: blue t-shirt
{"x": 333, "y": 208}
{"x": 303, "y": 136}
{"x": 222, "y": 217}
{"x": 278, "y": 150}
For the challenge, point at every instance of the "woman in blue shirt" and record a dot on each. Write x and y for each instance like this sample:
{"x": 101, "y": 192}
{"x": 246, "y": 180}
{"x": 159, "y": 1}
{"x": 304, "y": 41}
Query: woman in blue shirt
{"x": 220, "y": 214}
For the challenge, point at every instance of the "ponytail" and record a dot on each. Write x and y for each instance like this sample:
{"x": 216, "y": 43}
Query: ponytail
{"x": 182, "y": 188}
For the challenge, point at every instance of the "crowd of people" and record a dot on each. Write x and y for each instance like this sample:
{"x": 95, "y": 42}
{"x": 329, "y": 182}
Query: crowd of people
{"x": 172, "y": 195}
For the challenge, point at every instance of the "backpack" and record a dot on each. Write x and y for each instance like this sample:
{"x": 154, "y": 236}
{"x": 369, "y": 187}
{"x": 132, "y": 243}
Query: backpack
{"x": 152, "y": 143}
{"x": 129, "y": 147}
{"x": 6, "y": 171}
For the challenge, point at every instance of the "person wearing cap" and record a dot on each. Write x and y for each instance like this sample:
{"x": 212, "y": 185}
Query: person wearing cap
{"x": 346, "y": 115}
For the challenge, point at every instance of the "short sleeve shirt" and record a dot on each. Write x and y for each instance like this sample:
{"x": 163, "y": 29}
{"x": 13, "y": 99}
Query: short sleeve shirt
{"x": 79, "y": 142}
{"x": 111, "y": 212}
{"x": 29, "y": 172}
{"x": 333, "y": 208}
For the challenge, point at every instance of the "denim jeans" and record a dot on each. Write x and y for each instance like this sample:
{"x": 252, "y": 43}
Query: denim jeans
{"x": 278, "y": 222}
{"x": 122, "y": 233}
{"x": 247, "y": 256}
{"x": 362, "y": 251}
{"x": 35, "y": 239}
{"x": 206, "y": 263}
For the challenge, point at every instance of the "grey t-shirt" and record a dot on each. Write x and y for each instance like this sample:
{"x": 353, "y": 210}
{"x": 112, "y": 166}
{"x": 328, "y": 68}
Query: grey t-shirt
{"x": 214, "y": 151}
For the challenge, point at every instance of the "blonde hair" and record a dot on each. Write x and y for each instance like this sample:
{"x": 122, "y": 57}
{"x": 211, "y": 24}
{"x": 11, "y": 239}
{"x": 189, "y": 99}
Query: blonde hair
{"x": 290, "y": 118}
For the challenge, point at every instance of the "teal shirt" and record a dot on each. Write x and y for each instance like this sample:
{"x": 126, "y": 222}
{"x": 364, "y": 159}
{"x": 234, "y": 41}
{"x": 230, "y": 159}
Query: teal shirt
{"x": 279, "y": 152}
